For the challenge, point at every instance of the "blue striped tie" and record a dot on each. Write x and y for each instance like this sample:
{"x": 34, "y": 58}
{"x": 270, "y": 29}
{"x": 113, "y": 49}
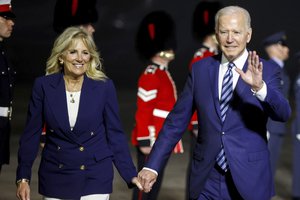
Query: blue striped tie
{"x": 226, "y": 96}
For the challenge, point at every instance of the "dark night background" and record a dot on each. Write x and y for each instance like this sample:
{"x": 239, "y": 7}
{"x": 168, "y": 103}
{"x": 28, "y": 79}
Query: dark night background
{"x": 32, "y": 39}
{"x": 33, "y": 36}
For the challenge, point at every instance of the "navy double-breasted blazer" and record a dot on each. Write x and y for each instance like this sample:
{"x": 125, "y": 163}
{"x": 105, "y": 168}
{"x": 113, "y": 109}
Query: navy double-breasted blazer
{"x": 243, "y": 132}
{"x": 78, "y": 162}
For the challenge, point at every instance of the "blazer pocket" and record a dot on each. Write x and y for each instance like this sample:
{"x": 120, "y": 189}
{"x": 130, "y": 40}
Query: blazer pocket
{"x": 104, "y": 154}
{"x": 256, "y": 156}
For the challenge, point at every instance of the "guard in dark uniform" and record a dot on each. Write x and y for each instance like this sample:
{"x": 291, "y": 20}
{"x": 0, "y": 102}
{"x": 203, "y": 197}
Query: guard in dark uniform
{"x": 296, "y": 137}
{"x": 278, "y": 52}
{"x": 156, "y": 94}
{"x": 81, "y": 13}
{"x": 7, "y": 76}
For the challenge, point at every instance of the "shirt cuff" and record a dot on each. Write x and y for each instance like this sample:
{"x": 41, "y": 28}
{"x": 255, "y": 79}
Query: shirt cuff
{"x": 262, "y": 93}
{"x": 152, "y": 170}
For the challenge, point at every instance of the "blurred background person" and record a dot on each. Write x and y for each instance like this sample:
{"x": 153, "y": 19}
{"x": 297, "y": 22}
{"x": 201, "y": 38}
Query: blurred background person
{"x": 78, "y": 103}
{"x": 7, "y": 79}
{"x": 203, "y": 29}
{"x": 296, "y": 137}
{"x": 278, "y": 52}
{"x": 82, "y": 13}
{"x": 156, "y": 95}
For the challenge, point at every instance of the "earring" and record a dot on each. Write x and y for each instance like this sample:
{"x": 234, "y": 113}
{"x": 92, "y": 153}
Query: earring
{"x": 61, "y": 62}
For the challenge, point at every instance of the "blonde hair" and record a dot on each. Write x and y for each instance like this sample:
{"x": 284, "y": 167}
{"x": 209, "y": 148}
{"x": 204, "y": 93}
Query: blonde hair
{"x": 66, "y": 40}
{"x": 229, "y": 10}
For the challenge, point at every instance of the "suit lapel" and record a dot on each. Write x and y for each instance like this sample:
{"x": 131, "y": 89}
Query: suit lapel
{"x": 240, "y": 86}
{"x": 237, "y": 92}
{"x": 214, "y": 80}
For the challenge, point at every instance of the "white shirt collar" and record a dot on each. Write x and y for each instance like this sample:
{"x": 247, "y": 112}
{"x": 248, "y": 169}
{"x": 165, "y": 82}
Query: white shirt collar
{"x": 239, "y": 62}
{"x": 278, "y": 61}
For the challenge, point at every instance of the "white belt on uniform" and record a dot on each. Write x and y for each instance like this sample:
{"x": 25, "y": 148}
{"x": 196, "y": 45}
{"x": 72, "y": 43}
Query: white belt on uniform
{"x": 5, "y": 111}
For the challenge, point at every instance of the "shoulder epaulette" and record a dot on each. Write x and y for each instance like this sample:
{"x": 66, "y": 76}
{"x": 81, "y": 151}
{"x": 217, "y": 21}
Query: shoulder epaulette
{"x": 151, "y": 69}
{"x": 200, "y": 52}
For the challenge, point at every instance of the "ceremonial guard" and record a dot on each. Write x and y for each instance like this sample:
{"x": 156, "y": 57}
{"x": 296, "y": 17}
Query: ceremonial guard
{"x": 7, "y": 76}
{"x": 203, "y": 28}
{"x": 82, "y": 13}
{"x": 156, "y": 94}
{"x": 278, "y": 52}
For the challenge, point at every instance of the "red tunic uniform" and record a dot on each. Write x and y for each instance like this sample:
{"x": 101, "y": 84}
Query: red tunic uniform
{"x": 155, "y": 98}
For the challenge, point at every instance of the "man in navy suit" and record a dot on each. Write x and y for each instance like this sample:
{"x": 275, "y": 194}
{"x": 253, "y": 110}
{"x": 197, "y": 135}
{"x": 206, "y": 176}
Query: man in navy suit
{"x": 278, "y": 52}
{"x": 236, "y": 136}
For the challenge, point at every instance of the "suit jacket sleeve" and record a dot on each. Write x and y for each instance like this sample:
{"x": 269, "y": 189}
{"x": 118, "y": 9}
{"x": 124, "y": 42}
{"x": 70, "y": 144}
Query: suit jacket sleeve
{"x": 29, "y": 141}
{"x": 275, "y": 104}
{"x": 173, "y": 128}
{"x": 116, "y": 137}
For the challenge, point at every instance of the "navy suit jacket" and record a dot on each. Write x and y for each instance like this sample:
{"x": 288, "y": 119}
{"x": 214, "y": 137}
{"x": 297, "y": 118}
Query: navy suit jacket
{"x": 79, "y": 162}
{"x": 275, "y": 127}
{"x": 243, "y": 132}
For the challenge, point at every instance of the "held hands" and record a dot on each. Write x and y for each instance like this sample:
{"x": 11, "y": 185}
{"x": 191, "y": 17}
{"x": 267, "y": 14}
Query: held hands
{"x": 147, "y": 178}
{"x": 23, "y": 191}
{"x": 136, "y": 182}
{"x": 253, "y": 75}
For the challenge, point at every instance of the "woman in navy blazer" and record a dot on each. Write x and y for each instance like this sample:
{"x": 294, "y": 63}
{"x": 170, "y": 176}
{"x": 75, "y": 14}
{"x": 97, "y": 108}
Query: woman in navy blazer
{"x": 84, "y": 133}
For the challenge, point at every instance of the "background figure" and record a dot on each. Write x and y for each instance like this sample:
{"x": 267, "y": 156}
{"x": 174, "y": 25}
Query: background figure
{"x": 234, "y": 94}
{"x": 85, "y": 138}
{"x": 80, "y": 13}
{"x": 278, "y": 52}
{"x": 156, "y": 94}
{"x": 7, "y": 79}
{"x": 296, "y": 137}
{"x": 204, "y": 32}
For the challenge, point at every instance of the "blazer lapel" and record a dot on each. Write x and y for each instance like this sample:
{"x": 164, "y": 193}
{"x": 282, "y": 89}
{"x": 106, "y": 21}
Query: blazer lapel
{"x": 58, "y": 104}
{"x": 87, "y": 99}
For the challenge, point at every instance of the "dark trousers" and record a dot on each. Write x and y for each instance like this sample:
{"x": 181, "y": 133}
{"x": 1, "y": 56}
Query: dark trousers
{"x": 193, "y": 141}
{"x": 153, "y": 194}
{"x": 4, "y": 140}
{"x": 219, "y": 186}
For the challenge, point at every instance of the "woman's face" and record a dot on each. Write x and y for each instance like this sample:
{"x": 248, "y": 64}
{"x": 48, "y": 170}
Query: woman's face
{"x": 76, "y": 59}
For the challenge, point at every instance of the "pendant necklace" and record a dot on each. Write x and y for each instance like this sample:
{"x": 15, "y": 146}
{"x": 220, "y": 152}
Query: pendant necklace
{"x": 72, "y": 98}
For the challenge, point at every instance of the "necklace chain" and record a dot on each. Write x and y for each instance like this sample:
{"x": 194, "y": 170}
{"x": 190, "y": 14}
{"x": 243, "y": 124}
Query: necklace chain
{"x": 73, "y": 91}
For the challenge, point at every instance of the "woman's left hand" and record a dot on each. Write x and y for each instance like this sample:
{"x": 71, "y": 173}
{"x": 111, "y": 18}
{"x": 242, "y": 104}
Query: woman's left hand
{"x": 137, "y": 183}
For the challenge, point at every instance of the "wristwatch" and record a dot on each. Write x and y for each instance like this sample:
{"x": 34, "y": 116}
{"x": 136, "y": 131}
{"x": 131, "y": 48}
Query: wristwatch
{"x": 23, "y": 180}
